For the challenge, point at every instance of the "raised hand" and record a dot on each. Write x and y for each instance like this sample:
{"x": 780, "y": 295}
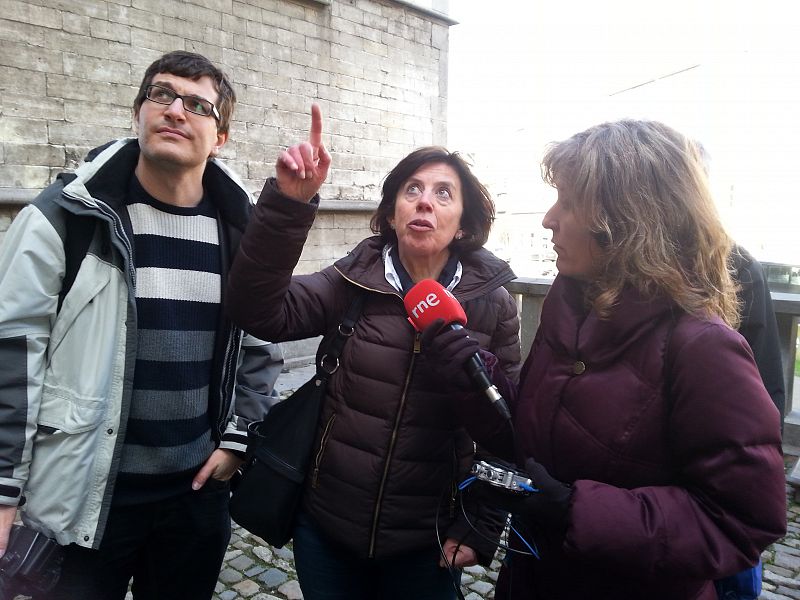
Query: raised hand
{"x": 302, "y": 169}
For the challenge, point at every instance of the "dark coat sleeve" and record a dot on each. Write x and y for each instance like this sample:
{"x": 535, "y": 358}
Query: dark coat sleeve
{"x": 480, "y": 418}
{"x": 505, "y": 341}
{"x": 759, "y": 326}
{"x": 728, "y": 501}
{"x": 264, "y": 299}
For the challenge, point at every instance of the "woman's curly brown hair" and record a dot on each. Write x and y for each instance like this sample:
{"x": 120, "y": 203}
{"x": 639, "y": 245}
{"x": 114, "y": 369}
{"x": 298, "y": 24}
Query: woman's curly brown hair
{"x": 643, "y": 189}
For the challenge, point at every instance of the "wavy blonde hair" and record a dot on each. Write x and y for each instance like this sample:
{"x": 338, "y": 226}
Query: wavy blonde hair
{"x": 643, "y": 190}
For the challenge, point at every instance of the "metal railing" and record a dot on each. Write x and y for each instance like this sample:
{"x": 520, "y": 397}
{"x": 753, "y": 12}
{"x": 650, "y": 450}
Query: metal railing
{"x": 531, "y": 292}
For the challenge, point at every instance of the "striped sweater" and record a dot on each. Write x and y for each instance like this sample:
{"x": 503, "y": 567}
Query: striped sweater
{"x": 178, "y": 289}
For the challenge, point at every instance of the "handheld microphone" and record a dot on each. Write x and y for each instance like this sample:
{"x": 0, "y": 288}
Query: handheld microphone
{"x": 427, "y": 301}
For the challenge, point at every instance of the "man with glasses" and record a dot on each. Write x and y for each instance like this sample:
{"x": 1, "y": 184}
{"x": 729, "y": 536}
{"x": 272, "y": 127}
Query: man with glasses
{"x": 125, "y": 392}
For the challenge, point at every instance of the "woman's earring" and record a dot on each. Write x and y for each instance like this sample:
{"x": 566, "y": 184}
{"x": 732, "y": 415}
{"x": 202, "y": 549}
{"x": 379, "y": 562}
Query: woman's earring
{"x": 391, "y": 225}
{"x": 459, "y": 234}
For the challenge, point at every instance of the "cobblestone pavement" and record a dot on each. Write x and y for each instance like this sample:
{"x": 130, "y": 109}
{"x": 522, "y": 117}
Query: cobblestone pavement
{"x": 255, "y": 571}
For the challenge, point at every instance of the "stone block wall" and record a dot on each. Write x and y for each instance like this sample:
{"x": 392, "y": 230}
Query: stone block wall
{"x": 69, "y": 71}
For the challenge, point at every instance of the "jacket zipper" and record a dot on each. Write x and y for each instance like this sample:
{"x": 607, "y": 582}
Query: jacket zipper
{"x": 119, "y": 230}
{"x": 275, "y": 458}
{"x": 454, "y": 484}
{"x": 322, "y": 444}
{"x": 377, "y": 513}
{"x": 232, "y": 349}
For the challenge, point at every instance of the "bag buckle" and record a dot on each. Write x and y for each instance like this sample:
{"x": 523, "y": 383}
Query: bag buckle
{"x": 324, "y": 367}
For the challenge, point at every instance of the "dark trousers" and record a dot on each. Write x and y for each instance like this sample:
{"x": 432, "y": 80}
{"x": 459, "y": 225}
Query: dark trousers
{"x": 172, "y": 549}
{"x": 326, "y": 571}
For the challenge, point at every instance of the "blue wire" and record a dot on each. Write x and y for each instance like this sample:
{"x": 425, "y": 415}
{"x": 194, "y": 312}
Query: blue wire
{"x": 527, "y": 488}
{"x": 534, "y": 550}
{"x": 524, "y": 541}
{"x": 466, "y": 482}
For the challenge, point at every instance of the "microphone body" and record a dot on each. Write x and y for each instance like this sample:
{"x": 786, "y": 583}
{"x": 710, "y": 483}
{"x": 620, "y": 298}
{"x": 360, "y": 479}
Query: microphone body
{"x": 477, "y": 372}
{"x": 428, "y": 301}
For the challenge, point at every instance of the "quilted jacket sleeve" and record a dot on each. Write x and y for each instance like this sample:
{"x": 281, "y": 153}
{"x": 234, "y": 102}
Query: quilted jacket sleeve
{"x": 728, "y": 502}
{"x": 505, "y": 341}
{"x": 263, "y": 297}
{"x": 503, "y": 364}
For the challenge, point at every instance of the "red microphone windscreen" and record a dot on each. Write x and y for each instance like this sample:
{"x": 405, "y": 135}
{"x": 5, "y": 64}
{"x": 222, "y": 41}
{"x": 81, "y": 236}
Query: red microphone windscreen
{"x": 428, "y": 300}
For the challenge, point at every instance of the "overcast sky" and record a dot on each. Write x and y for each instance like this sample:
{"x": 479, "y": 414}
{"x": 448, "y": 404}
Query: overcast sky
{"x": 725, "y": 72}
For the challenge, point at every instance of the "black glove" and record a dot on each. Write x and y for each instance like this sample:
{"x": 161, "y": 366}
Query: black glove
{"x": 547, "y": 506}
{"x": 447, "y": 351}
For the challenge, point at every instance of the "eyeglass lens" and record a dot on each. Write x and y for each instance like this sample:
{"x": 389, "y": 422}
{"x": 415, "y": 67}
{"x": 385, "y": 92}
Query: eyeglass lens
{"x": 194, "y": 104}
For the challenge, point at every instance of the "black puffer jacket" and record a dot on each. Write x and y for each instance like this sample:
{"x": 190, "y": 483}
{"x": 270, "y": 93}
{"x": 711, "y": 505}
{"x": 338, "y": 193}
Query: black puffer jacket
{"x": 390, "y": 446}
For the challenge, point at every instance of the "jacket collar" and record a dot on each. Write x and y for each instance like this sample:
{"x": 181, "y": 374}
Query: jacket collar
{"x": 482, "y": 271}
{"x": 575, "y": 330}
{"x": 106, "y": 174}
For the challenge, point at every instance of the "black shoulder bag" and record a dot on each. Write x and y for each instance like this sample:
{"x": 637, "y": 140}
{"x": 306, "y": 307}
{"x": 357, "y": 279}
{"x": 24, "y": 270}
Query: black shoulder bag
{"x": 279, "y": 448}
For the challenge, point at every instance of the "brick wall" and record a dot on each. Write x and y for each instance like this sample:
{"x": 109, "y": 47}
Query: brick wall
{"x": 69, "y": 71}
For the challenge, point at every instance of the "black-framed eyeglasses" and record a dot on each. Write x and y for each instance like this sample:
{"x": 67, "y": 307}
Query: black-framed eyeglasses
{"x": 194, "y": 104}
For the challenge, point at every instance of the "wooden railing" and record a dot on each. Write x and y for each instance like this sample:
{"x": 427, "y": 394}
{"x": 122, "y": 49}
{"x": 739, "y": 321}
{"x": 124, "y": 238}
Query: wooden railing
{"x": 530, "y": 293}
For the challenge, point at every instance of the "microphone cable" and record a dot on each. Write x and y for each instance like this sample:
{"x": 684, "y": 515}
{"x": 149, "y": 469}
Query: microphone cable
{"x": 455, "y": 573}
{"x": 533, "y": 549}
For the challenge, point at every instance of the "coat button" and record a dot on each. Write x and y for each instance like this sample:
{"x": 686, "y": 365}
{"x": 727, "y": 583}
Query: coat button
{"x": 86, "y": 538}
{"x": 579, "y": 367}
{"x": 110, "y": 431}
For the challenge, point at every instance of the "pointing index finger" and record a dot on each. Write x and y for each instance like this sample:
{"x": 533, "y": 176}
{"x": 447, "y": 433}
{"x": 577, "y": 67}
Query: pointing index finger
{"x": 315, "y": 135}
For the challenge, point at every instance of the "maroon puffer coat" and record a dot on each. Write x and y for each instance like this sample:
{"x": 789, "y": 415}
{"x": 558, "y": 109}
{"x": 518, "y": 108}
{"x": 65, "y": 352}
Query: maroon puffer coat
{"x": 390, "y": 443}
{"x": 661, "y": 423}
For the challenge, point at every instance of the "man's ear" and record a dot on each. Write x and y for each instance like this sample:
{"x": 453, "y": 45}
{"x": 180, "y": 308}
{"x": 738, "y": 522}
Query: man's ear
{"x": 221, "y": 139}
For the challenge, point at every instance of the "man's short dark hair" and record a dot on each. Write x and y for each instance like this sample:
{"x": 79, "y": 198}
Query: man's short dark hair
{"x": 192, "y": 66}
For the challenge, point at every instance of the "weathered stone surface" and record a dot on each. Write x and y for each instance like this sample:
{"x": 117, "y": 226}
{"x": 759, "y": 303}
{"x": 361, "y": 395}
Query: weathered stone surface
{"x": 273, "y": 578}
{"x": 71, "y": 70}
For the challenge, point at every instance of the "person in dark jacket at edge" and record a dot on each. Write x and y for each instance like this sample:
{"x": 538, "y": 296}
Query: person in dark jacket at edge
{"x": 126, "y": 398}
{"x": 653, "y": 447}
{"x": 390, "y": 449}
{"x": 758, "y": 324}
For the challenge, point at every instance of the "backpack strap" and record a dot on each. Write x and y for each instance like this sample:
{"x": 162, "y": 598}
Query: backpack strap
{"x": 329, "y": 361}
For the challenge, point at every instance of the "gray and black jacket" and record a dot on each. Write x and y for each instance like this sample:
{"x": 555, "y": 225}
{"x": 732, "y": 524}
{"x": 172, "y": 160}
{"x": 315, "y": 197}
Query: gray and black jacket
{"x": 68, "y": 359}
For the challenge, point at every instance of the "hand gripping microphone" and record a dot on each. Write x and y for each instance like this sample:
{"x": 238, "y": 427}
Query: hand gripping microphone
{"x": 428, "y": 301}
